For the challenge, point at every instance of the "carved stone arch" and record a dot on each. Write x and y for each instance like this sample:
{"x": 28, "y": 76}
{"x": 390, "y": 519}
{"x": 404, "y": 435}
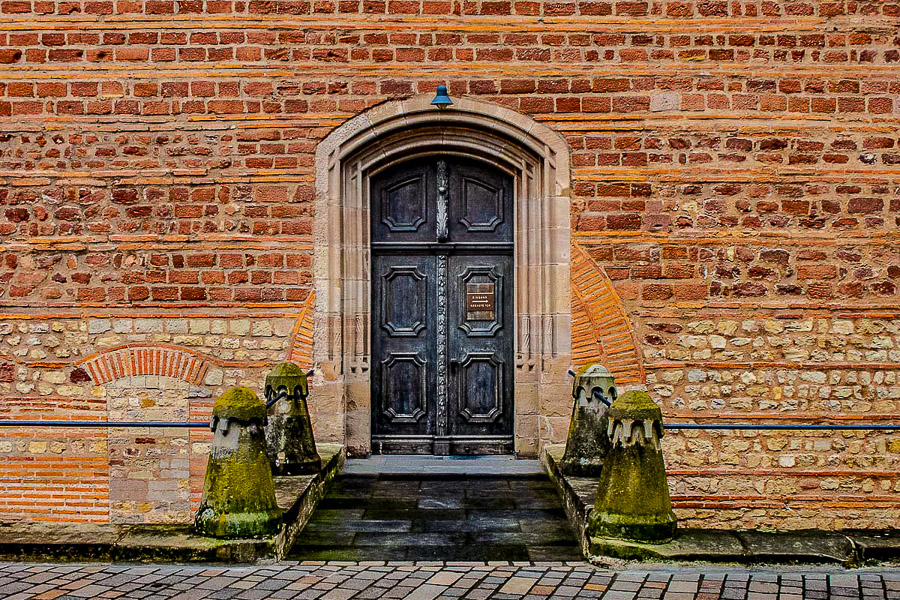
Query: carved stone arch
{"x": 538, "y": 159}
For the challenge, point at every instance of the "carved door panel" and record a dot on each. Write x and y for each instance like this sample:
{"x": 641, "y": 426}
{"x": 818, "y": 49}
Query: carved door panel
{"x": 480, "y": 201}
{"x": 403, "y": 203}
{"x": 480, "y": 347}
{"x": 403, "y": 365}
{"x": 442, "y": 322}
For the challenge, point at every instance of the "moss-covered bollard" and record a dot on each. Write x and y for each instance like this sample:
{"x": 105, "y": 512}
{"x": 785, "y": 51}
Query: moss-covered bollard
{"x": 633, "y": 496}
{"x": 289, "y": 435}
{"x": 588, "y": 442}
{"x": 238, "y": 493}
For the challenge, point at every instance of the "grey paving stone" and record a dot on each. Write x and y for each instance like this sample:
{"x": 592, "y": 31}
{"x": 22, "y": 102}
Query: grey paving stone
{"x": 763, "y": 587}
{"x": 815, "y": 584}
{"x": 732, "y": 593}
{"x": 427, "y": 508}
{"x": 682, "y": 586}
{"x": 346, "y": 580}
{"x": 361, "y": 525}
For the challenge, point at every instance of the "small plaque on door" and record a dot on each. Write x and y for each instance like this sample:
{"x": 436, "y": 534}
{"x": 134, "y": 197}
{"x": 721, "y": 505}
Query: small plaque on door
{"x": 479, "y": 301}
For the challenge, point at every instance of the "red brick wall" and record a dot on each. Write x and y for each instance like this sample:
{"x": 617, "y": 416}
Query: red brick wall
{"x": 53, "y": 474}
{"x": 735, "y": 176}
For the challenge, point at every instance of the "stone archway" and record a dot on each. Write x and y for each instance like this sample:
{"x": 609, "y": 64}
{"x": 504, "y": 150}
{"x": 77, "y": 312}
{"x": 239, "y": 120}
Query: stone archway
{"x": 538, "y": 158}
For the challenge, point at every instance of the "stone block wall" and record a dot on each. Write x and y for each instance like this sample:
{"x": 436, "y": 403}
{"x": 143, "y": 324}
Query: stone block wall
{"x": 734, "y": 207}
{"x": 116, "y": 368}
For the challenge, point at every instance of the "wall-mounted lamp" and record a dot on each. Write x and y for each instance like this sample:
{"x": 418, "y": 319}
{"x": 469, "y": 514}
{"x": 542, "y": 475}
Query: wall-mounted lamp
{"x": 442, "y": 98}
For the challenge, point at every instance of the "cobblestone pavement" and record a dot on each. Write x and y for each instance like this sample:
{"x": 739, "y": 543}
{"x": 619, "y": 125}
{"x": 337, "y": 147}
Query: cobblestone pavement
{"x": 427, "y": 581}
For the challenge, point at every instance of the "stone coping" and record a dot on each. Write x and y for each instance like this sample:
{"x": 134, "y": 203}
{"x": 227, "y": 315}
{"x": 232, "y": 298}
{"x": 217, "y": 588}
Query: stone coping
{"x": 297, "y": 496}
{"x": 848, "y": 547}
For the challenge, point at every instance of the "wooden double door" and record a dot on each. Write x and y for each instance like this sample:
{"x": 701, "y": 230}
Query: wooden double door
{"x": 442, "y": 309}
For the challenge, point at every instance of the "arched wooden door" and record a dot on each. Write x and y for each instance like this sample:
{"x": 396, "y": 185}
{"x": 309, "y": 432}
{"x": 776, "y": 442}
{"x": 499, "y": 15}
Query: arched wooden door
{"x": 442, "y": 308}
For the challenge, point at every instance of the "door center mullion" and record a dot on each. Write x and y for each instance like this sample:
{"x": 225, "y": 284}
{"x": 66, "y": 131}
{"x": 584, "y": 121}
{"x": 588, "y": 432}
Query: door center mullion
{"x": 442, "y": 444}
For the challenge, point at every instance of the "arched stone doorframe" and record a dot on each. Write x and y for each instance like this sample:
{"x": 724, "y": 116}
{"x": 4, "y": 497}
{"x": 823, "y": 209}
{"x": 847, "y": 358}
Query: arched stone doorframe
{"x": 538, "y": 159}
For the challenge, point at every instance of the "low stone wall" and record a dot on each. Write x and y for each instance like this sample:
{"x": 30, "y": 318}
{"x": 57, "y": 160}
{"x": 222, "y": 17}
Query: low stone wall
{"x": 735, "y": 545}
{"x": 298, "y": 495}
{"x": 782, "y": 480}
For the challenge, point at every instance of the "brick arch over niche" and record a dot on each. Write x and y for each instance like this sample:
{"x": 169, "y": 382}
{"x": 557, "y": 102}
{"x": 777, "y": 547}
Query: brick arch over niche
{"x": 134, "y": 360}
{"x": 538, "y": 159}
{"x": 601, "y": 331}
{"x": 302, "y": 337}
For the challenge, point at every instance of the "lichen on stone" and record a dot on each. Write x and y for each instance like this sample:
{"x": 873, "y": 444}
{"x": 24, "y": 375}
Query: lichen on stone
{"x": 288, "y": 376}
{"x": 240, "y": 404}
{"x": 238, "y": 491}
{"x": 633, "y": 494}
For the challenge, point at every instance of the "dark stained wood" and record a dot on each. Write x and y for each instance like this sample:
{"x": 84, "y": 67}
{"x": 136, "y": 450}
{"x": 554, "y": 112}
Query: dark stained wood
{"x": 403, "y": 367}
{"x": 481, "y": 347}
{"x": 480, "y": 204}
{"x": 403, "y": 203}
{"x": 442, "y": 310}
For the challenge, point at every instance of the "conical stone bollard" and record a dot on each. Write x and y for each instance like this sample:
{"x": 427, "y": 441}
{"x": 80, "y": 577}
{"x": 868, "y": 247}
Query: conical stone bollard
{"x": 238, "y": 493}
{"x": 587, "y": 442}
{"x": 633, "y": 495}
{"x": 289, "y": 435}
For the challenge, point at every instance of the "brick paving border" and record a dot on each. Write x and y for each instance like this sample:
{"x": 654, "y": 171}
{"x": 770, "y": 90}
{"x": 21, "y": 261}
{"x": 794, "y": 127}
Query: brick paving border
{"x": 438, "y": 580}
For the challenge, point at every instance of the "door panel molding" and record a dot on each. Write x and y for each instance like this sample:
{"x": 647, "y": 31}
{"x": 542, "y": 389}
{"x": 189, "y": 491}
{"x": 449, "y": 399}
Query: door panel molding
{"x": 470, "y": 321}
{"x": 479, "y": 205}
{"x": 389, "y": 306}
{"x": 392, "y": 390}
{"x": 467, "y": 389}
{"x": 484, "y": 393}
{"x": 468, "y": 203}
{"x": 391, "y": 212}
{"x": 403, "y": 321}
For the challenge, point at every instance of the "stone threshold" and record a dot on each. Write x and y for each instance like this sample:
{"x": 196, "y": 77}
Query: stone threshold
{"x": 437, "y": 466}
{"x": 848, "y": 548}
{"x": 297, "y": 496}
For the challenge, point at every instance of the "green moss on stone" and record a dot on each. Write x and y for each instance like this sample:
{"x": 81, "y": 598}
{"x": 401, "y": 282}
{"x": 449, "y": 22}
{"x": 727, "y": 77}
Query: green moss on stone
{"x": 238, "y": 492}
{"x": 241, "y": 404}
{"x": 287, "y": 369}
{"x": 635, "y": 405}
{"x": 587, "y": 442}
{"x": 633, "y": 494}
{"x": 288, "y": 376}
{"x": 289, "y": 434}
